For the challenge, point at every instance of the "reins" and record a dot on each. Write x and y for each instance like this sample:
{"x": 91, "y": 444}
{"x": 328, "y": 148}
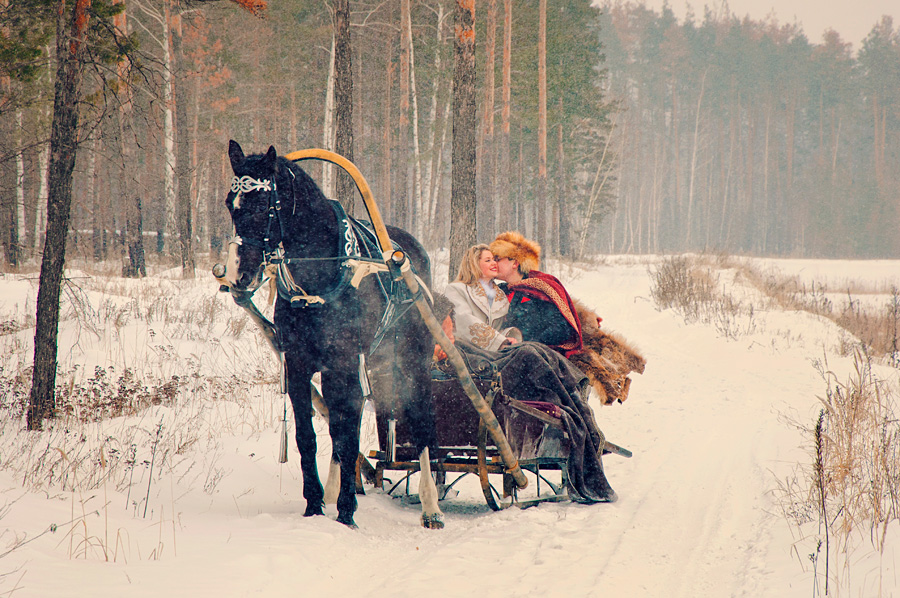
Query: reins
{"x": 354, "y": 239}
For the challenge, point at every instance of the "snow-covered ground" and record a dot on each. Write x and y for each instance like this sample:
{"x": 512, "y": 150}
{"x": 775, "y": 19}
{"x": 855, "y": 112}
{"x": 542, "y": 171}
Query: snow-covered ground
{"x": 710, "y": 423}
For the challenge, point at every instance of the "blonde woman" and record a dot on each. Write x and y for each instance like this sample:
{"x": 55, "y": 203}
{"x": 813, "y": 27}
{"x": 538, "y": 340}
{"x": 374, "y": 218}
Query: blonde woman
{"x": 478, "y": 303}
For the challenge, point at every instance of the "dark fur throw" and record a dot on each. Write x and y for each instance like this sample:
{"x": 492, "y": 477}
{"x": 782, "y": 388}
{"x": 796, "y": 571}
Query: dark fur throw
{"x": 607, "y": 358}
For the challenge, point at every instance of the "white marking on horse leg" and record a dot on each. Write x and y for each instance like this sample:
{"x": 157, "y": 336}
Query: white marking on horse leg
{"x": 333, "y": 484}
{"x": 432, "y": 517}
{"x": 232, "y": 262}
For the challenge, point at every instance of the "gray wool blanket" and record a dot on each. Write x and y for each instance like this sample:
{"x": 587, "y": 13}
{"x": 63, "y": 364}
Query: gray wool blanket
{"x": 534, "y": 372}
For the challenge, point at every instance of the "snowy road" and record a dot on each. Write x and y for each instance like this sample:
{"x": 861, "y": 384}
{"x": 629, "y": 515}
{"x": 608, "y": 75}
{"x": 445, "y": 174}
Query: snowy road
{"x": 707, "y": 423}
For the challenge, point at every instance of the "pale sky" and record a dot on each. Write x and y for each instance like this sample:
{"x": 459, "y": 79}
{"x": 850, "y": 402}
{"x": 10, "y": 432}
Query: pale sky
{"x": 853, "y": 19}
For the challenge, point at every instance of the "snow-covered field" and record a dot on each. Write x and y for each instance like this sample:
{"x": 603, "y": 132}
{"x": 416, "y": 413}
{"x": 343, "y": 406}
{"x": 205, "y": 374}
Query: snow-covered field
{"x": 186, "y": 498}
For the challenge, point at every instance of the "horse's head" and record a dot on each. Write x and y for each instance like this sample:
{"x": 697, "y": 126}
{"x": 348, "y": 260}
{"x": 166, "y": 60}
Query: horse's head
{"x": 253, "y": 204}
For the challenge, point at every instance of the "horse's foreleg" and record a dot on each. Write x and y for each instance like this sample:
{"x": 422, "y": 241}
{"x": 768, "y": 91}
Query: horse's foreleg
{"x": 344, "y": 399}
{"x": 306, "y": 443}
{"x": 432, "y": 518}
{"x": 299, "y": 390}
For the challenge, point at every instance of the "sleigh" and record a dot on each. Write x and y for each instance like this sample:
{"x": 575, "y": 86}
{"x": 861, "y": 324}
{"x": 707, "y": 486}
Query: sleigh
{"x": 533, "y": 430}
{"x": 502, "y": 435}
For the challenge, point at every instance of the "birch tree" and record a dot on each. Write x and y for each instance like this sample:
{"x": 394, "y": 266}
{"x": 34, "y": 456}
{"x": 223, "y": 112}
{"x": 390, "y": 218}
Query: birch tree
{"x": 161, "y": 35}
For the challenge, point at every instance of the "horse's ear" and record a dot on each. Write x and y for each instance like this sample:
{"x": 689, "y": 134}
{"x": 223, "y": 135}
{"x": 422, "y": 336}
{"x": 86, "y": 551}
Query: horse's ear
{"x": 271, "y": 157}
{"x": 235, "y": 154}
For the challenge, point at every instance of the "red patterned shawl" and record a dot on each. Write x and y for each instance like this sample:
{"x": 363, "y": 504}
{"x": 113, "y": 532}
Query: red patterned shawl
{"x": 545, "y": 287}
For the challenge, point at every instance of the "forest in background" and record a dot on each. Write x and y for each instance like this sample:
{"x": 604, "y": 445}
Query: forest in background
{"x": 745, "y": 136}
{"x": 711, "y": 133}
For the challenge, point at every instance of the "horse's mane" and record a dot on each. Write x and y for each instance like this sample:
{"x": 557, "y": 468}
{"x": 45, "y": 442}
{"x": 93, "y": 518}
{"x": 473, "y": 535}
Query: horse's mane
{"x": 302, "y": 184}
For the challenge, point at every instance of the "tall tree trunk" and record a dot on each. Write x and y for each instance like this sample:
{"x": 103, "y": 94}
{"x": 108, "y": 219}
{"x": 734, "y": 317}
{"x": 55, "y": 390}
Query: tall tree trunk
{"x": 92, "y": 195}
{"x": 71, "y": 30}
{"x": 183, "y": 88}
{"x": 200, "y": 175}
{"x": 386, "y": 205}
{"x": 401, "y": 212}
{"x": 40, "y": 217}
{"x": 486, "y": 159}
{"x": 880, "y": 116}
{"x": 17, "y": 230}
{"x": 436, "y": 122}
{"x": 689, "y": 224}
{"x": 463, "y": 224}
{"x": 438, "y": 183}
{"x": 503, "y": 189}
{"x": 541, "y": 203}
{"x": 134, "y": 231}
{"x": 169, "y": 223}
{"x": 343, "y": 101}
{"x": 415, "y": 172}
{"x": 7, "y": 187}
{"x": 676, "y": 146}
{"x": 562, "y": 223}
{"x": 328, "y": 170}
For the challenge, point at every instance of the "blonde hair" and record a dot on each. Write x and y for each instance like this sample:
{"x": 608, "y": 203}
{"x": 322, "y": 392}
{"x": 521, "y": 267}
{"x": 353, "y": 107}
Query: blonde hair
{"x": 469, "y": 269}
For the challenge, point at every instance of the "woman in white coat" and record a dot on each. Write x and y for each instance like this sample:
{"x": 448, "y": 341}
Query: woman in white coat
{"x": 479, "y": 305}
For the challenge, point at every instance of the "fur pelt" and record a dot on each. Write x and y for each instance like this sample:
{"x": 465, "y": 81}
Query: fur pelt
{"x": 607, "y": 359}
{"x": 515, "y": 246}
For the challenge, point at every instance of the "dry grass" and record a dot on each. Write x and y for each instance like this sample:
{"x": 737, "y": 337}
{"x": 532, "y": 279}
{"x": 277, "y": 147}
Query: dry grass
{"x": 877, "y": 329}
{"x": 848, "y": 497}
{"x": 691, "y": 285}
{"x": 154, "y": 393}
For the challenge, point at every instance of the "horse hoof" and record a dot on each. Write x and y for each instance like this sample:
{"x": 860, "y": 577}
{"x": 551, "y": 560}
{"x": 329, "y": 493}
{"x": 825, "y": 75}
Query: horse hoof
{"x": 347, "y": 520}
{"x": 435, "y": 521}
{"x": 314, "y": 509}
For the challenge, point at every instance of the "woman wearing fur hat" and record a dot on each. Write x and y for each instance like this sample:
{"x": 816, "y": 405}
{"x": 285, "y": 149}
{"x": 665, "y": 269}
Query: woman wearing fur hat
{"x": 539, "y": 305}
{"x": 478, "y": 302}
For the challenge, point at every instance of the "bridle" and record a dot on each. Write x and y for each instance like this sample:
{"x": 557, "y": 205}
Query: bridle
{"x": 351, "y": 238}
{"x": 275, "y": 254}
{"x": 245, "y": 184}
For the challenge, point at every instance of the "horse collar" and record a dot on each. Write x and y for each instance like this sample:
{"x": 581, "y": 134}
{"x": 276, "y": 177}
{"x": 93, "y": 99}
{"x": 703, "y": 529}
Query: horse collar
{"x": 347, "y": 248}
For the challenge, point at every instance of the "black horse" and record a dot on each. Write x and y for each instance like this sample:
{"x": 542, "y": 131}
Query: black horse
{"x": 283, "y": 222}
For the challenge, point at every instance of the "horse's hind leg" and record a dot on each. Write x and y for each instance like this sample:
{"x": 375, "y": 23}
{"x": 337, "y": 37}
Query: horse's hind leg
{"x": 344, "y": 398}
{"x": 432, "y": 518}
{"x": 301, "y": 402}
{"x": 412, "y": 376}
{"x": 333, "y": 483}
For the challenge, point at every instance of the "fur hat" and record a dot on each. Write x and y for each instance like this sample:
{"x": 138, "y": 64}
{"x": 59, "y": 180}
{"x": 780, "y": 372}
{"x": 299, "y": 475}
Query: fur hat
{"x": 515, "y": 246}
